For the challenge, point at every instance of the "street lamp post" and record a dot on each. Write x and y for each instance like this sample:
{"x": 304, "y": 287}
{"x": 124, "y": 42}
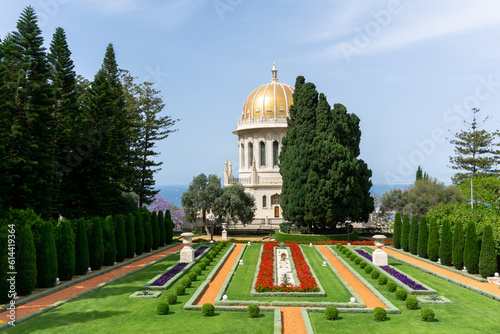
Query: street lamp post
{"x": 211, "y": 219}
{"x": 348, "y": 222}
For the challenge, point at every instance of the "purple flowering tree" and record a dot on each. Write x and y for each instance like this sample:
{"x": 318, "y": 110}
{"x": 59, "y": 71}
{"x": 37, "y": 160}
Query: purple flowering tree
{"x": 162, "y": 204}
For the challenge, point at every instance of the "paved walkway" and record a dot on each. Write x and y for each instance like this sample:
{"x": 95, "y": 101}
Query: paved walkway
{"x": 74, "y": 290}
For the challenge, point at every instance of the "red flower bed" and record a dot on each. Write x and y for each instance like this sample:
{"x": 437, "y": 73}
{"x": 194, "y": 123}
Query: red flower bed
{"x": 265, "y": 278}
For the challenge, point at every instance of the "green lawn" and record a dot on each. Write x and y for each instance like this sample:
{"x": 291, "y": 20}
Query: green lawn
{"x": 241, "y": 284}
{"x": 110, "y": 310}
{"x": 469, "y": 313}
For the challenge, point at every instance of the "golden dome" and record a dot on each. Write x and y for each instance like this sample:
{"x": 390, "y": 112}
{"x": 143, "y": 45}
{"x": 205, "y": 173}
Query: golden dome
{"x": 269, "y": 100}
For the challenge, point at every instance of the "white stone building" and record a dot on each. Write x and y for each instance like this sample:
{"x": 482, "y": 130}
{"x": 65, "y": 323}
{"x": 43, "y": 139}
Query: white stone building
{"x": 260, "y": 129}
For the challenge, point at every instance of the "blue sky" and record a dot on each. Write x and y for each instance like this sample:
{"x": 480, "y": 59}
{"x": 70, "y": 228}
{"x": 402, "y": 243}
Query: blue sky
{"x": 411, "y": 70}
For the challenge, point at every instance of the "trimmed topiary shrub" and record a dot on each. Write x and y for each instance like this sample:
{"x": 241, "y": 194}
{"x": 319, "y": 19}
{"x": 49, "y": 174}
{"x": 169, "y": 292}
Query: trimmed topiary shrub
{"x": 253, "y": 310}
{"x": 375, "y": 274}
{"x": 108, "y": 232}
{"x": 180, "y": 290}
{"x": 382, "y": 280}
{"x": 162, "y": 308}
{"x": 81, "y": 248}
{"x": 368, "y": 269}
{"x": 405, "y": 233}
{"x": 96, "y": 245}
{"x": 487, "y": 257}
{"x": 379, "y": 314}
{"x": 155, "y": 230}
{"x": 411, "y": 303}
{"x": 148, "y": 232}
{"x": 171, "y": 298}
{"x": 457, "y": 257}
{"x": 161, "y": 227}
{"x": 353, "y": 256}
{"x": 391, "y": 286}
{"x": 25, "y": 260}
{"x": 197, "y": 270}
{"x": 471, "y": 249}
{"x": 192, "y": 276}
{"x": 433, "y": 241}
{"x": 396, "y": 237}
{"x": 130, "y": 235}
{"x": 120, "y": 238}
{"x": 169, "y": 227}
{"x": 445, "y": 247}
{"x": 331, "y": 313}
{"x": 207, "y": 310}
{"x": 202, "y": 265}
{"x": 46, "y": 257}
{"x": 423, "y": 235}
{"x": 357, "y": 260}
{"x": 401, "y": 294}
{"x": 139, "y": 233}
{"x": 362, "y": 264}
{"x": 427, "y": 314}
{"x": 186, "y": 282}
{"x": 206, "y": 261}
{"x": 413, "y": 241}
{"x": 211, "y": 255}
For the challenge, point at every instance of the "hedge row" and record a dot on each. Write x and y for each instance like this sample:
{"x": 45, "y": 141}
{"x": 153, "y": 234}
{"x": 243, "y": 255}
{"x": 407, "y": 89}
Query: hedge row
{"x": 307, "y": 238}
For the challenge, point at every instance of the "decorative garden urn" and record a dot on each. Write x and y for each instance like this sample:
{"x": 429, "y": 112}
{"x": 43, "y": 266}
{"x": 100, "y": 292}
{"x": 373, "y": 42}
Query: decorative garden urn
{"x": 379, "y": 256}
{"x": 187, "y": 253}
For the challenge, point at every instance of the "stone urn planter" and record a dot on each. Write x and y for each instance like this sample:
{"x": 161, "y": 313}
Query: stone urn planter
{"x": 187, "y": 253}
{"x": 379, "y": 256}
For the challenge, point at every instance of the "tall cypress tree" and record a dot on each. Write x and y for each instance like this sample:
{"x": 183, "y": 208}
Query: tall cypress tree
{"x": 148, "y": 233}
{"x": 25, "y": 260}
{"x": 120, "y": 238}
{"x": 445, "y": 247}
{"x": 396, "y": 238}
{"x": 405, "y": 233}
{"x": 96, "y": 244}
{"x": 458, "y": 245}
{"x": 423, "y": 235}
{"x": 471, "y": 249}
{"x": 108, "y": 232}
{"x": 169, "y": 227}
{"x": 139, "y": 233}
{"x": 433, "y": 241}
{"x": 130, "y": 235}
{"x": 413, "y": 242}
{"x": 161, "y": 226}
{"x": 81, "y": 248}
{"x": 487, "y": 258}
{"x": 46, "y": 257}
{"x": 65, "y": 244}
{"x": 155, "y": 230}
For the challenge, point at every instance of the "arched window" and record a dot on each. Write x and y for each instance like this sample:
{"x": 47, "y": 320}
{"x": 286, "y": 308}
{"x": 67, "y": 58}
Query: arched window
{"x": 264, "y": 201}
{"x": 242, "y": 155}
{"x": 250, "y": 154}
{"x": 275, "y": 153}
{"x": 262, "y": 153}
{"x": 275, "y": 199}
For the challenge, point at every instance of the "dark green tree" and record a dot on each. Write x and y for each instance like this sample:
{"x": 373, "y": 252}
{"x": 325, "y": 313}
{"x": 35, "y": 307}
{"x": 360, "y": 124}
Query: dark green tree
{"x": 423, "y": 235}
{"x": 433, "y": 240}
{"x": 131, "y": 247}
{"x": 471, "y": 249}
{"x": 235, "y": 205}
{"x": 108, "y": 232}
{"x": 405, "y": 233}
{"x": 26, "y": 277}
{"x": 139, "y": 233}
{"x": 487, "y": 258}
{"x": 148, "y": 232}
{"x": 413, "y": 241}
{"x": 161, "y": 226}
{"x": 169, "y": 227}
{"x": 155, "y": 230}
{"x": 96, "y": 244}
{"x": 65, "y": 244}
{"x": 458, "y": 245}
{"x": 81, "y": 248}
{"x": 397, "y": 231}
{"x": 120, "y": 238}
{"x": 445, "y": 246}
{"x": 46, "y": 257}
{"x": 419, "y": 175}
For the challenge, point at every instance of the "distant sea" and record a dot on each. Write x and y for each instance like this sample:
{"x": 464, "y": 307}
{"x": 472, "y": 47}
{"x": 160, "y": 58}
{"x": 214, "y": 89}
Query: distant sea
{"x": 174, "y": 192}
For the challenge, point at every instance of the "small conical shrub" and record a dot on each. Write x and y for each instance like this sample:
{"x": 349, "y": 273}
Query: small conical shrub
{"x": 161, "y": 226}
{"x": 433, "y": 241}
{"x": 169, "y": 227}
{"x": 487, "y": 258}
{"x": 445, "y": 247}
{"x": 25, "y": 260}
{"x": 413, "y": 241}
{"x": 396, "y": 238}
{"x": 96, "y": 245}
{"x": 458, "y": 244}
{"x": 405, "y": 233}
{"x": 155, "y": 230}
{"x": 471, "y": 249}
{"x": 148, "y": 233}
{"x": 423, "y": 235}
{"x": 108, "y": 233}
{"x": 130, "y": 229}
{"x": 65, "y": 244}
{"x": 139, "y": 233}
{"x": 81, "y": 248}
{"x": 120, "y": 238}
{"x": 46, "y": 257}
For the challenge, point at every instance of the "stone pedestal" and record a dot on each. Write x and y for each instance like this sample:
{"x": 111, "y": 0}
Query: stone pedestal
{"x": 379, "y": 256}
{"x": 495, "y": 280}
{"x": 187, "y": 253}
{"x": 224, "y": 232}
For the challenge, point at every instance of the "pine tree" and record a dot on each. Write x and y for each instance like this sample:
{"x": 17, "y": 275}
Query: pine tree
{"x": 46, "y": 257}
{"x": 413, "y": 242}
{"x": 108, "y": 233}
{"x": 423, "y": 235}
{"x": 419, "y": 175}
{"x": 148, "y": 233}
{"x": 487, "y": 258}
{"x": 155, "y": 230}
{"x": 120, "y": 238}
{"x": 445, "y": 247}
{"x": 96, "y": 244}
{"x": 161, "y": 225}
{"x": 81, "y": 248}
{"x": 405, "y": 233}
{"x": 433, "y": 241}
{"x": 458, "y": 245}
{"x": 139, "y": 233}
{"x": 396, "y": 242}
{"x": 471, "y": 249}
{"x": 131, "y": 248}
{"x": 65, "y": 244}
{"x": 26, "y": 277}
{"x": 169, "y": 227}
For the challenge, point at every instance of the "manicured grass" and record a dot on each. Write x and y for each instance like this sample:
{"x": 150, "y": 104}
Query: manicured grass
{"x": 469, "y": 313}
{"x": 110, "y": 310}
{"x": 241, "y": 284}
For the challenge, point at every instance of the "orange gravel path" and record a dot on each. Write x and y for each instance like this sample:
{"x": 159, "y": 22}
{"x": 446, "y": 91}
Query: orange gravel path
{"x": 486, "y": 286}
{"x": 370, "y": 300}
{"x": 292, "y": 322}
{"x": 74, "y": 290}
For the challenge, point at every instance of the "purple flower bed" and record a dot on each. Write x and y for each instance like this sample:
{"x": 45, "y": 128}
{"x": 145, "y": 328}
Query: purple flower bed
{"x": 403, "y": 278}
{"x": 175, "y": 270}
{"x": 365, "y": 254}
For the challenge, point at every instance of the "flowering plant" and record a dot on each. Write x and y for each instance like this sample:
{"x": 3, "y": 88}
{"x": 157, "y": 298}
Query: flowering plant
{"x": 175, "y": 270}
{"x": 365, "y": 254}
{"x": 403, "y": 278}
{"x": 162, "y": 204}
